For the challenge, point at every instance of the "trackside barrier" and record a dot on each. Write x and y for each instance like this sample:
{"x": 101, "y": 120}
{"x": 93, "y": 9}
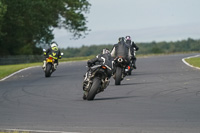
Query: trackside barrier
{"x": 19, "y": 59}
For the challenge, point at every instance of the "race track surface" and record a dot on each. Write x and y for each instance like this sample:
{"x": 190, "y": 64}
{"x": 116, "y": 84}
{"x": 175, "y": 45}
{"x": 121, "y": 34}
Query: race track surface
{"x": 161, "y": 96}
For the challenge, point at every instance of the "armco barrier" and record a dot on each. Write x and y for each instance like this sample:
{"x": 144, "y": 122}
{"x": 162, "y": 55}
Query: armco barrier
{"x": 19, "y": 59}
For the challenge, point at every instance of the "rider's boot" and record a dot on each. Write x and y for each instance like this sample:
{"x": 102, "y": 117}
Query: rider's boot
{"x": 134, "y": 66}
{"x": 44, "y": 64}
{"x": 55, "y": 66}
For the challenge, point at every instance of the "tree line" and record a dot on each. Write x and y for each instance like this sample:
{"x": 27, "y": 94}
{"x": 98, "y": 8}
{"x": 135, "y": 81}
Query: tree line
{"x": 27, "y": 25}
{"x": 188, "y": 45}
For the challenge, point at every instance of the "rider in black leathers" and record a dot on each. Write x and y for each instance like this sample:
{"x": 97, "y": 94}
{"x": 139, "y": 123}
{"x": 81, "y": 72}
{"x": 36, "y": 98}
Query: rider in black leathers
{"x": 121, "y": 49}
{"x": 133, "y": 47}
{"x": 103, "y": 58}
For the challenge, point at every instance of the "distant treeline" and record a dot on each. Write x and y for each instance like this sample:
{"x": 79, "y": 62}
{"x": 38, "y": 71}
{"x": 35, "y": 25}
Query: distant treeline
{"x": 26, "y": 26}
{"x": 189, "y": 45}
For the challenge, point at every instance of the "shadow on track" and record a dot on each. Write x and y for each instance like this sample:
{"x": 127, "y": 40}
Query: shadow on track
{"x": 114, "y": 98}
{"x": 126, "y": 84}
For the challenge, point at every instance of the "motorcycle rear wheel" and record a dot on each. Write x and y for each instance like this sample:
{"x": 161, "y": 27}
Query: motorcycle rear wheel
{"x": 118, "y": 76}
{"x": 94, "y": 88}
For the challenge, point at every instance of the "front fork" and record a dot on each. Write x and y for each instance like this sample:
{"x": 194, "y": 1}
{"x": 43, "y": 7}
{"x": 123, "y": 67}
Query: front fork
{"x": 105, "y": 83}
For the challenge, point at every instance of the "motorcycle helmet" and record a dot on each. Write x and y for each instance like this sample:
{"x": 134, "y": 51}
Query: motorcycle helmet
{"x": 105, "y": 51}
{"x": 54, "y": 44}
{"x": 121, "y": 39}
{"x": 128, "y": 38}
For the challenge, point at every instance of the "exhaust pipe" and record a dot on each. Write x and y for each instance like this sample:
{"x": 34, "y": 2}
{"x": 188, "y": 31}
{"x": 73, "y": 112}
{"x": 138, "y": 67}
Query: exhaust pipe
{"x": 120, "y": 59}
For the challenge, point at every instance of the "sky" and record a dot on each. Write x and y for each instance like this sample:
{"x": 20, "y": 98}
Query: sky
{"x": 143, "y": 20}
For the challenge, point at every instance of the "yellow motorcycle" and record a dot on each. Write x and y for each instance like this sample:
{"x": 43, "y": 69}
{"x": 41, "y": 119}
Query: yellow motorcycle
{"x": 49, "y": 66}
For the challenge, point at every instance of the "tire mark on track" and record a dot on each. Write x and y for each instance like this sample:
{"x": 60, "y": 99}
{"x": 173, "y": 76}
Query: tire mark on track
{"x": 166, "y": 92}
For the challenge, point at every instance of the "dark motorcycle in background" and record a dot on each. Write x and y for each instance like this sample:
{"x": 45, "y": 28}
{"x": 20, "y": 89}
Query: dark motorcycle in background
{"x": 95, "y": 81}
{"x": 130, "y": 67}
{"x": 119, "y": 73}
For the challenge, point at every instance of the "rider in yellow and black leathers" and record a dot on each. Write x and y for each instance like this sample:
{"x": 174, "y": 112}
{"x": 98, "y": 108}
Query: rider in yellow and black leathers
{"x": 53, "y": 52}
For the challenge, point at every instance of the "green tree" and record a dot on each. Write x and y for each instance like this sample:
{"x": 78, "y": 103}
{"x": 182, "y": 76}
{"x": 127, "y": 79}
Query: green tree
{"x": 30, "y": 23}
{"x": 3, "y": 9}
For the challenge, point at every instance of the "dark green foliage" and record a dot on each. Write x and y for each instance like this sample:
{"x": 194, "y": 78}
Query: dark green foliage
{"x": 27, "y": 24}
{"x": 85, "y": 50}
{"x": 3, "y": 9}
{"x": 189, "y": 45}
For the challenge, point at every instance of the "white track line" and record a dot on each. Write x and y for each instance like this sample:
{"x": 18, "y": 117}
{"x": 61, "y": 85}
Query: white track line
{"x": 188, "y": 63}
{"x": 40, "y": 131}
{"x": 17, "y": 72}
{"x": 25, "y": 69}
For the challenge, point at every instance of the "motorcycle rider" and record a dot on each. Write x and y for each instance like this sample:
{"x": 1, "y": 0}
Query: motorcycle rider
{"x": 54, "y": 52}
{"x": 121, "y": 49}
{"x": 133, "y": 48}
{"x": 103, "y": 58}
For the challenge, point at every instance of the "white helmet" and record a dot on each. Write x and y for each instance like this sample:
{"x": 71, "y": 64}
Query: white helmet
{"x": 105, "y": 51}
{"x": 128, "y": 38}
{"x": 53, "y": 44}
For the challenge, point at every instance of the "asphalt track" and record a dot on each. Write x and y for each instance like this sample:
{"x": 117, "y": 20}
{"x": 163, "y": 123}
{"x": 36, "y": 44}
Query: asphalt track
{"x": 161, "y": 96}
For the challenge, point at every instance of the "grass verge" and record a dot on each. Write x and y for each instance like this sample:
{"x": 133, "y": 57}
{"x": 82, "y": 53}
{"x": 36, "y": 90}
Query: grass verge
{"x": 6, "y": 70}
{"x": 195, "y": 61}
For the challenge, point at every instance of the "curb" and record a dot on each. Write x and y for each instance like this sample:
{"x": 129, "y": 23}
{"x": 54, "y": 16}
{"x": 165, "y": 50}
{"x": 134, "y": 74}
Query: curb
{"x": 17, "y": 72}
{"x": 25, "y": 69}
{"x": 188, "y": 63}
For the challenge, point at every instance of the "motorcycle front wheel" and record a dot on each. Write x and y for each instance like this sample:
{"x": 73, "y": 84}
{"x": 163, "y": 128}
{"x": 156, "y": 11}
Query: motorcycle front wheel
{"x": 94, "y": 88}
{"x": 48, "y": 70}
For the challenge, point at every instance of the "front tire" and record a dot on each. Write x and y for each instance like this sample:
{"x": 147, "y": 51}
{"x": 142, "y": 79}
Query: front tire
{"x": 85, "y": 95}
{"x": 94, "y": 88}
{"x": 118, "y": 76}
{"x": 48, "y": 70}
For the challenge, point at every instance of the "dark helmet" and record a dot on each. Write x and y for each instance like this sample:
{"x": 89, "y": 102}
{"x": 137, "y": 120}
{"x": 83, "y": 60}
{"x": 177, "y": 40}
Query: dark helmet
{"x": 121, "y": 39}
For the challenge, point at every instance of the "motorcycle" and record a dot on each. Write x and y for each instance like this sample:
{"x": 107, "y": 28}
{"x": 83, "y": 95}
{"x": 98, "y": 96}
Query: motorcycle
{"x": 49, "y": 69}
{"x": 95, "y": 81}
{"x": 120, "y": 64}
{"x": 50, "y": 65}
{"x": 130, "y": 67}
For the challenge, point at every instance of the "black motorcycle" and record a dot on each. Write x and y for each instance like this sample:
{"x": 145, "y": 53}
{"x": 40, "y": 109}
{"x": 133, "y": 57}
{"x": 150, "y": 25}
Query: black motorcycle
{"x": 129, "y": 68}
{"x": 95, "y": 81}
{"x": 119, "y": 73}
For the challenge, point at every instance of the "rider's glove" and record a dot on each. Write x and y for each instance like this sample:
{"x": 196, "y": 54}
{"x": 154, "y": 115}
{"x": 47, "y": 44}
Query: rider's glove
{"x": 89, "y": 64}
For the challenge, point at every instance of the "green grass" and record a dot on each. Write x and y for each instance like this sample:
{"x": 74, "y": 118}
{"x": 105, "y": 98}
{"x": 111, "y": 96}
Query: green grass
{"x": 194, "y": 61}
{"x": 76, "y": 58}
{"x": 6, "y": 70}
{"x": 14, "y": 131}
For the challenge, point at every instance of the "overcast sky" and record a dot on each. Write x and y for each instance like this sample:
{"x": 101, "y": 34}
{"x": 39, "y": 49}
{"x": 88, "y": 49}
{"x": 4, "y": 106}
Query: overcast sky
{"x": 143, "y": 20}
